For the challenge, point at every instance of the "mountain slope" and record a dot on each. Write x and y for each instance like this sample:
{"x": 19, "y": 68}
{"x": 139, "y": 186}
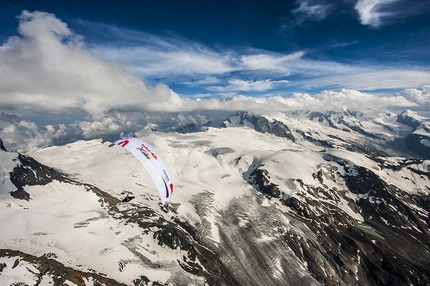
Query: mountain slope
{"x": 91, "y": 231}
{"x": 303, "y": 199}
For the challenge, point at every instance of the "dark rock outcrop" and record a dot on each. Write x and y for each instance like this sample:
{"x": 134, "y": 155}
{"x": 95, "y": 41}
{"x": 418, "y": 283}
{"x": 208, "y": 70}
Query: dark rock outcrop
{"x": 263, "y": 125}
{"x": 58, "y": 272}
{"x": 29, "y": 172}
{"x": 2, "y": 147}
{"x": 261, "y": 179}
{"x": 406, "y": 119}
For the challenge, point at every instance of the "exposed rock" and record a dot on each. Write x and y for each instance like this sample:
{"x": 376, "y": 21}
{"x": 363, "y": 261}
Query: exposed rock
{"x": 30, "y": 172}
{"x": 2, "y": 145}
{"x": 408, "y": 118}
{"x": 261, "y": 178}
{"x": 191, "y": 128}
{"x": 60, "y": 274}
{"x": 263, "y": 125}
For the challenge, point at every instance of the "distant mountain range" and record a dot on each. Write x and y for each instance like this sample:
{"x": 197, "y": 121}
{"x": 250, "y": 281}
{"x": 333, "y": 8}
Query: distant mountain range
{"x": 304, "y": 198}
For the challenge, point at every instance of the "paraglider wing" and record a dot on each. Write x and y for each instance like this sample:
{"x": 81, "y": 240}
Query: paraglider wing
{"x": 153, "y": 163}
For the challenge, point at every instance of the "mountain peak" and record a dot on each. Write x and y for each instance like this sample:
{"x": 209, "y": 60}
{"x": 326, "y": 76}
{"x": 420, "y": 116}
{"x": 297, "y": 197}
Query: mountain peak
{"x": 409, "y": 118}
{"x": 260, "y": 123}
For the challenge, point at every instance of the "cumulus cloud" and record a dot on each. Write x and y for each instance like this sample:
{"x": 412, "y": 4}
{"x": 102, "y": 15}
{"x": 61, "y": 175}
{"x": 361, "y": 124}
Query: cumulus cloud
{"x": 355, "y": 100}
{"x": 323, "y": 101}
{"x": 105, "y": 126}
{"x": 420, "y": 97}
{"x": 48, "y": 68}
{"x": 108, "y": 124}
{"x": 19, "y": 134}
{"x": 61, "y": 131}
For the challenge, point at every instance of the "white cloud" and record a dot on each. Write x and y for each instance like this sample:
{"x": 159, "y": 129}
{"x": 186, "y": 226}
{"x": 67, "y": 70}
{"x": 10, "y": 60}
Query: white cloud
{"x": 177, "y": 61}
{"x": 211, "y": 69}
{"x": 114, "y": 123}
{"x": 420, "y": 97}
{"x": 326, "y": 100}
{"x": 355, "y": 100}
{"x": 374, "y": 12}
{"x": 155, "y": 55}
{"x": 278, "y": 63}
{"x": 204, "y": 81}
{"x": 312, "y": 11}
{"x": 94, "y": 128}
{"x": 155, "y": 62}
{"x": 366, "y": 78}
{"x": 56, "y": 133}
{"x": 18, "y": 134}
{"x": 249, "y": 85}
{"x": 23, "y": 135}
{"x": 48, "y": 68}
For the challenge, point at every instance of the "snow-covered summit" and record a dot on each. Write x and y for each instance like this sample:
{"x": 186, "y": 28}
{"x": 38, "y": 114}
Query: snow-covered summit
{"x": 378, "y": 134}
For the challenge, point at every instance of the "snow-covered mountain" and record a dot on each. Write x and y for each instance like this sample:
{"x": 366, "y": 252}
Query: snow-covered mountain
{"x": 304, "y": 198}
{"x": 419, "y": 139}
{"x": 381, "y": 134}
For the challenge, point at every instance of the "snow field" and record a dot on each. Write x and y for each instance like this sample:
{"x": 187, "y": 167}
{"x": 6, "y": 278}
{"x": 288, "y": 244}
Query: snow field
{"x": 209, "y": 171}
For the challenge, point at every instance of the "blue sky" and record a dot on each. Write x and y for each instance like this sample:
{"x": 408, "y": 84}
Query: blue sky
{"x": 105, "y": 60}
{"x": 252, "y": 47}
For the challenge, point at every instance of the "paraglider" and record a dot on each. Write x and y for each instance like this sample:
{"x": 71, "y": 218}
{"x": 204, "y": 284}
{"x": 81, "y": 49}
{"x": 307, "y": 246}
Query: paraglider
{"x": 153, "y": 163}
{"x": 127, "y": 198}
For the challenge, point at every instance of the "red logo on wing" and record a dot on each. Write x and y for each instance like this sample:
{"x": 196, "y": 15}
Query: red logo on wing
{"x": 149, "y": 151}
{"x": 123, "y": 143}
